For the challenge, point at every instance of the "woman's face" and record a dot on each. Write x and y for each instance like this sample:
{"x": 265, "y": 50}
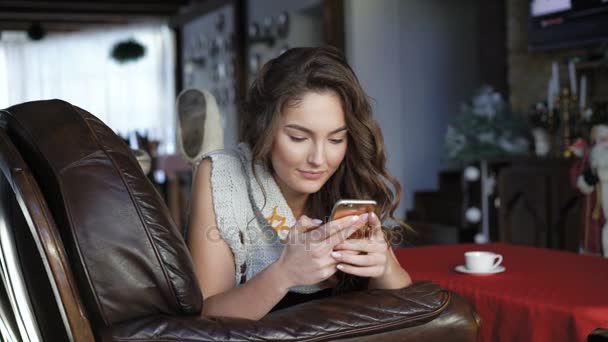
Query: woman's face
{"x": 310, "y": 143}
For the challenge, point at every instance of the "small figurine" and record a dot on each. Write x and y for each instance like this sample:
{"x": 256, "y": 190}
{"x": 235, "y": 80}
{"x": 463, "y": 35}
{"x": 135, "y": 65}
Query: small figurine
{"x": 591, "y": 178}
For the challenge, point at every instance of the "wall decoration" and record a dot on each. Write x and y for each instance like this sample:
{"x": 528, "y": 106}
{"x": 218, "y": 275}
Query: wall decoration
{"x": 262, "y": 35}
{"x": 253, "y": 30}
{"x": 255, "y": 62}
{"x": 282, "y": 25}
{"x": 36, "y": 32}
{"x": 267, "y": 28}
{"x": 275, "y": 26}
{"x": 127, "y": 51}
{"x": 210, "y": 61}
{"x": 221, "y": 22}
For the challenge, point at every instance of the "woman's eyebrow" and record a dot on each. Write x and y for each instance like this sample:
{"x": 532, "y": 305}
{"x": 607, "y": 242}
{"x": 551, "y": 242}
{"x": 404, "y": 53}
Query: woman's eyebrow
{"x": 304, "y": 129}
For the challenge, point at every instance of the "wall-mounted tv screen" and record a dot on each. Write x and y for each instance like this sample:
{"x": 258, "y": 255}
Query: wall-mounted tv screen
{"x": 567, "y": 23}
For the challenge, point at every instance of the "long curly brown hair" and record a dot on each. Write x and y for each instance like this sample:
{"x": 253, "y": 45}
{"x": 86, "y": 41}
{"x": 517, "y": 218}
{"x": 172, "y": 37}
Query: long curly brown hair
{"x": 363, "y": 173}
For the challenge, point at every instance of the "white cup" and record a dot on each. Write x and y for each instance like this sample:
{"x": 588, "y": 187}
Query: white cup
{"x": 478, "y": 261}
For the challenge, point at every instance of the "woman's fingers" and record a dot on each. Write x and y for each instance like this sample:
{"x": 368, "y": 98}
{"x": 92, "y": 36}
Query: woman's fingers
{"x": 361, "y": 260}
{"x": 305, "y": 224}
{"x": 363, "y": 245}
{"x": 347, "y": 251}
{"x": 369, "y": 271}
{"x": 376, "y": 224}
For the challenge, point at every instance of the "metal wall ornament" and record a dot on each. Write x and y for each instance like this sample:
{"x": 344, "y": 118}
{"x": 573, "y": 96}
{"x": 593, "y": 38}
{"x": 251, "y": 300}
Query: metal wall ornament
{"x": 221, "y": 23}
{"x": 231, "y": 94}
{"x": 214, "y": 50}
{"x": 195, "y": 63}
{"x": 189, "y": 68}
{"x": 268, "y": 26}
{"x": 260, "y": 36}
{"x": 230, "y": 68}
{"x": 253, "y": 30}
{"x": 215, "y": 75}
{"x": 221, "y": 43}
{"x": 225, "y": 94}
{"x": 209, "y": 60}
{"x": 203, "y": 43}
{"x": 221, "y": 71}
{"x": 229, "y": 43}
{"x": 254, "y": 63}
{"x": 282, "y": 25}
{"x": 195, "y": 54}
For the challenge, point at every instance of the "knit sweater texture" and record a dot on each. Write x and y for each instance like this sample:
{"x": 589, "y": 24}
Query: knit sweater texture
{"x": 253, "y": 225}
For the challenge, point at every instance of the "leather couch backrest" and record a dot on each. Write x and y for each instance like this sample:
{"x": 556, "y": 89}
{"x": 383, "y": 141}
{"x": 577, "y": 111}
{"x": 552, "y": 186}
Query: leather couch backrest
{"x": 128, "y": 257}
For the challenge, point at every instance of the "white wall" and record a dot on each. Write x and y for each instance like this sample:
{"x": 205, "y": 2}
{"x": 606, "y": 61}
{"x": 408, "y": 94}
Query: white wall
{"x": 418, "y": 60}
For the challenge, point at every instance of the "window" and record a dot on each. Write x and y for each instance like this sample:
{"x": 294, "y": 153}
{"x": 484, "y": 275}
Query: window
{"x": 77, "y": 67}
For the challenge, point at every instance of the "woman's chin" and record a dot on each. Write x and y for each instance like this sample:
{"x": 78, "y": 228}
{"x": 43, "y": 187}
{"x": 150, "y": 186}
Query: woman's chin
{"x": 310, "y": 188}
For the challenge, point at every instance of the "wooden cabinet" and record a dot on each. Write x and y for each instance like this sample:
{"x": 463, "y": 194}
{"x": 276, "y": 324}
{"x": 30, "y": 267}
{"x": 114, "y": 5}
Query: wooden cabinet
{"x": 538, "y": 204}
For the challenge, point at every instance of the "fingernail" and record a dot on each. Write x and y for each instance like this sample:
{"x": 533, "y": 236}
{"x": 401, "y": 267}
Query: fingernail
{"x": 374, "y": 215}
{"x": 317, "y": 221}
{"x": 364, "y": 217}
{"x": 336, "y": 254}
{"x": 340, "y": 267}
{"x": 355, "y": 218}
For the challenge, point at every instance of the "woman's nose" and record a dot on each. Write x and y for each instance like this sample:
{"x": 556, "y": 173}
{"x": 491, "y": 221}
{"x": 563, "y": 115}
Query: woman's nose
{"x": 316, "y": 156}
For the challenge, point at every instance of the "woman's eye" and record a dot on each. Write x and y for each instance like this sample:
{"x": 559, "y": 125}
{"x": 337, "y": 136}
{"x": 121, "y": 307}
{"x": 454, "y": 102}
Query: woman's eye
{"x": 296, "y": 139}
{"x": 336, "y": 141}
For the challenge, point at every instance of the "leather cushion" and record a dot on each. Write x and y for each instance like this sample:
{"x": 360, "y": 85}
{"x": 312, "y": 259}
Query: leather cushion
{"x": 411, "y": 314}
{"x": 128, "y": 256}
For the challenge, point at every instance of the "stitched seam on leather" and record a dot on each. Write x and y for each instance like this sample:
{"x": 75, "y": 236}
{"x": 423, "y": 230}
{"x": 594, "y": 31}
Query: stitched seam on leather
{"x": 68, "y": 212}
{"x": 353, "y": 332}
{"x": 77, "y": 163}
{"x": 391, "y": 324}
{"x": 140, "y": 214}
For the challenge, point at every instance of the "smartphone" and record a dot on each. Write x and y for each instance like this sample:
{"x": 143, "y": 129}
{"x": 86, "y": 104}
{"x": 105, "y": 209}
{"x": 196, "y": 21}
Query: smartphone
{"x": 347, "y": 207}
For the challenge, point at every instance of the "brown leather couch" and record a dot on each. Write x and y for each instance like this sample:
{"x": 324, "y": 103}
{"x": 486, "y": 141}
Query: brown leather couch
{"x": 89, "y": 252}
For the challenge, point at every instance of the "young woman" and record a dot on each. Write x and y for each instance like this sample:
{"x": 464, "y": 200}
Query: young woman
{"x": 257, "y": 234}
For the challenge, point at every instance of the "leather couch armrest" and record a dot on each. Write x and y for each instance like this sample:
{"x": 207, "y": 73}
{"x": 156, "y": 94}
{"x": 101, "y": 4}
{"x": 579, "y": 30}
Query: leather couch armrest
{"x": 598, "y": 335}
{"x": 348, "y": 316}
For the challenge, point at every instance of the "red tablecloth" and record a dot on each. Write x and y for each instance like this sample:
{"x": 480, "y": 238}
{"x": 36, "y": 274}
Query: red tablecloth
{"x": 544, "y": 295}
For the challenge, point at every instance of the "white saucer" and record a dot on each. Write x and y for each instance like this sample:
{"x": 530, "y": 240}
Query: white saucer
{"x": 464, "y": 269}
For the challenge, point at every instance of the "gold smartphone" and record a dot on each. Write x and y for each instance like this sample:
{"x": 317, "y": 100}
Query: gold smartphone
{"x": 347, "y": 207}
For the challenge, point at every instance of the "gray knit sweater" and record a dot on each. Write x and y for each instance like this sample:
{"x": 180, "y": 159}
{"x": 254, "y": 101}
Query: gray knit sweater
{"x": 255, "y": 240}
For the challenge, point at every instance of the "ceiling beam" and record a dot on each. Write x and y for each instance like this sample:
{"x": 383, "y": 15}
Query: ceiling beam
{"x": 147, "y": 7}
{"x": 51, "y": 26}
{"x": 61, "y": 15}
{"x": 73, "y": 17}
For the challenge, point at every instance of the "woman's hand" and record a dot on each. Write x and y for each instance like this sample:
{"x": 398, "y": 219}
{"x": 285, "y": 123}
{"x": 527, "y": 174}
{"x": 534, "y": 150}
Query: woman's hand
{"x": 372, "y": 258}
{"x": 364, "y": 257}
{"x": 307, "y": 259}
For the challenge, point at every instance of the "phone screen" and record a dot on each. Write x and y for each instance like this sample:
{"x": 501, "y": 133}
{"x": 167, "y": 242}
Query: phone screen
{"x": 346, "y": 207}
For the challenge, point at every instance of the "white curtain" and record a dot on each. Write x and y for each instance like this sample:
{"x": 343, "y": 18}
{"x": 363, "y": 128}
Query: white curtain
{"x": 77, "y": 67}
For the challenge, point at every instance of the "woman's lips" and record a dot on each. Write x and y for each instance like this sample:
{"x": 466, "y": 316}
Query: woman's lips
{"x": 311, "y": 174}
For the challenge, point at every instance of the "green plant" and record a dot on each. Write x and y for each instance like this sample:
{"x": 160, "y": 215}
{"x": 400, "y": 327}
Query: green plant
{"x": 485, "y": 128}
